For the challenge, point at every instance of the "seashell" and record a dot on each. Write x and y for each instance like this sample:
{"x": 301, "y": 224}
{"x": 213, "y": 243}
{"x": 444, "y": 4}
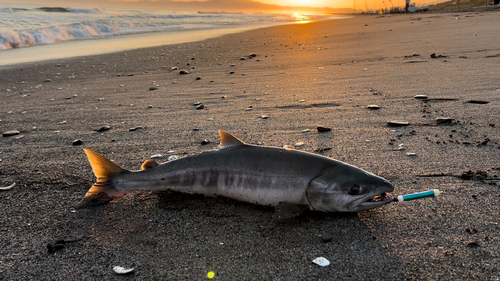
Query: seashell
{"x": 122, "y": 270}
{"x": 173, "y": 157}
{"x": 8, "y": 187}
{"x": 299, "y": 144}
{"x": 321, "y": 261}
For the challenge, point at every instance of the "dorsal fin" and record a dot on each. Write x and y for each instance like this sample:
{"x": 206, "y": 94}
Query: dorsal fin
{"x": 148, "y": 164}
{"x": 227, "y": 140}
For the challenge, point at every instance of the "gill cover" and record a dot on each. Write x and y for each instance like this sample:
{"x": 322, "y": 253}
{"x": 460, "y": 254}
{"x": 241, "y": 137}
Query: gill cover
{"x": 321, "y": 193}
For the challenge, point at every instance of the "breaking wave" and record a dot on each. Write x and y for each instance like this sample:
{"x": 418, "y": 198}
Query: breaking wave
{"x": 71, "y": 10}
{"x": 25, "y": 27}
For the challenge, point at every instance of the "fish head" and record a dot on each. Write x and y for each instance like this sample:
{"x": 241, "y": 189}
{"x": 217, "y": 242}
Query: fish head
{"x": 345, "y": 188}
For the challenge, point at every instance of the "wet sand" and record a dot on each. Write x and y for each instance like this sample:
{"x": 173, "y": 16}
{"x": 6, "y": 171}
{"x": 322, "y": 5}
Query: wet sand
{"x": 323, "y": 73}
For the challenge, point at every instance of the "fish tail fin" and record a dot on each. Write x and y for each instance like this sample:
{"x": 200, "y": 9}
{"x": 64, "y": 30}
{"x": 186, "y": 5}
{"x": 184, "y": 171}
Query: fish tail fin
{"x": 103, "y": 189}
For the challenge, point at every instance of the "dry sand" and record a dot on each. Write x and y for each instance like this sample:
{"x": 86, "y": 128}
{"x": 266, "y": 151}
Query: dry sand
{"x": 303, "y": 76}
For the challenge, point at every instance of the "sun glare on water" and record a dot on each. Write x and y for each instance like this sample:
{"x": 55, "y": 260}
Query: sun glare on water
{"x": 301, "y": 18}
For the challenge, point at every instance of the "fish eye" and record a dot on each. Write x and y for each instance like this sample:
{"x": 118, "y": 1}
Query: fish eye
{"x": 355, "y": 189}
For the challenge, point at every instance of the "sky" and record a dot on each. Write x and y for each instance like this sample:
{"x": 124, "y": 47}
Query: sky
{"x": 229, "y": 5}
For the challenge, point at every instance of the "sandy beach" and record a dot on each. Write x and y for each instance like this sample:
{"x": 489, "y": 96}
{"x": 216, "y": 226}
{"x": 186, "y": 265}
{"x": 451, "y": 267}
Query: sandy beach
{"x": 304, "y": 75}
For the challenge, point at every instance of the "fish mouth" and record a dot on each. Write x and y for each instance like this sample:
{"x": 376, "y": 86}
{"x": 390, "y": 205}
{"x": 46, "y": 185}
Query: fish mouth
{"x": 377, "y": 200}
{"x": 371, "y": 202}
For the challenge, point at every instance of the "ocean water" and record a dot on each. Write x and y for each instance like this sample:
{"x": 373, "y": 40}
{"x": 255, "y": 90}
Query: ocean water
{"x": 101, "y": 30}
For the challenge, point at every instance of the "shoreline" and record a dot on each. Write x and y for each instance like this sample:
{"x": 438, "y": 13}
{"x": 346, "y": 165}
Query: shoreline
{"x": 99, "y": 46}
{"x": 322, "y": 73}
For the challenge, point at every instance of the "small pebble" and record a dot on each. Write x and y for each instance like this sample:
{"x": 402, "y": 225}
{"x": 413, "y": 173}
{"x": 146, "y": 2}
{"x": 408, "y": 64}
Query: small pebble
{"x": 152, "y": 88}
{"x": 205, "y": 142}
{"x": 156, "y": 156}
{"x": 323, "y": 129}
{"x": 103, "y": 128}
{"x": 135, "y": 128}
{"x": 397, "y": 123}
{"x": 62, "y": 123}
{"x": 471, "y": 230}
{"x": 444, "y": 120}
{"x": 47, "y": 80}
{"x": 77, "y": 142}
{"x": 183, "y": 72}
{"x": 11, "y": 133}
{"x": 420, "y": 97}
{"x": 200, "y": 106}
{"x": 373, "y": 107}
{"x": 478, "y": 101}
{"x": 326, "y": 237}
{"x": 264, "y": 117}
{"x": 473, "y": 244}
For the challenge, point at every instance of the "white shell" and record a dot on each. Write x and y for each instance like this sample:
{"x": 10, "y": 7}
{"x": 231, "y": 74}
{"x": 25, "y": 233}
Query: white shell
{"x": 173, "y": 157}
{"x": 321, "y": 261}
{"x": 8, "y": 187}
{"x": 122, "y": 270}
{"x": 299, "y": 144}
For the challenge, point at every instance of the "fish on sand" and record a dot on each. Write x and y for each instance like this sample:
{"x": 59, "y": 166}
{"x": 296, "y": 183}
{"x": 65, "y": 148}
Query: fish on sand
{"x": 292, "y": 181}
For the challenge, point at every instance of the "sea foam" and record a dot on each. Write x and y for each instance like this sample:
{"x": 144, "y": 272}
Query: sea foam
{"x": 25, "y": 27}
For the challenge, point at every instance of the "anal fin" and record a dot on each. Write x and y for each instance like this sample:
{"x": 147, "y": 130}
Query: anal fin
{"x": 288, "y": 210}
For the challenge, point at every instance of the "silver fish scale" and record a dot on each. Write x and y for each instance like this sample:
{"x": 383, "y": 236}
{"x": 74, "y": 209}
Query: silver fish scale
{"x": 254, "y": 174}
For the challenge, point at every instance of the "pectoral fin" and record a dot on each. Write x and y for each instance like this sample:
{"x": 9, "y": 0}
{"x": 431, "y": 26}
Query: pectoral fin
{"x": 287, "y": 211}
